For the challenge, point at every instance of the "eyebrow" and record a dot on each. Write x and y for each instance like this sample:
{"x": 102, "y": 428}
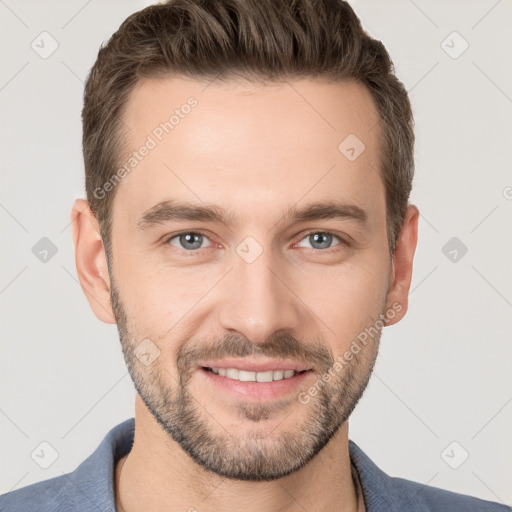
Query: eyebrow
{"x": 172, "y": 210}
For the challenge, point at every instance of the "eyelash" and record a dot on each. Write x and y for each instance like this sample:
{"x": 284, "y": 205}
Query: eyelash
{"x": 336, "y": 248}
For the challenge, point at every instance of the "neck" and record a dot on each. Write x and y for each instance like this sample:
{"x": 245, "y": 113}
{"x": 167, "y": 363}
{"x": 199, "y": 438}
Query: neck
{"x": 158, "y": 475}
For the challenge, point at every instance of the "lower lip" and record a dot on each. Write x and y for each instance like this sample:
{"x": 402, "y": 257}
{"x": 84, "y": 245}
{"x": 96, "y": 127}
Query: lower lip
{"x": 256, "y": 390}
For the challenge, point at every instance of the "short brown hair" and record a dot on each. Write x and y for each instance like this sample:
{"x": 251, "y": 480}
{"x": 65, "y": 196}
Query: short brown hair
{"x": 253, "y": 39}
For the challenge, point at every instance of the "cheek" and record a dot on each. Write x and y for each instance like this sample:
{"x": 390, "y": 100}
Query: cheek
{"x": 157, "y": 299}
{"x": 341, "y": 300}
{"x": 346, "y": 299}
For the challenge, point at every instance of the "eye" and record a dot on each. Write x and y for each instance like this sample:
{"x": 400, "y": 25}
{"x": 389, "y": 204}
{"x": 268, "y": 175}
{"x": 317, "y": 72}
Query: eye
{"x": 192, "y": 241}
{"x": 189, "y": 241}
{"x": 322, "y": 240}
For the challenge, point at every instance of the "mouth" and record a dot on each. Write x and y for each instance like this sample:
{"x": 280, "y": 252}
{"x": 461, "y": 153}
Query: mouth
{"x": 251, "y": 385}
{"x": 253, "y": 376}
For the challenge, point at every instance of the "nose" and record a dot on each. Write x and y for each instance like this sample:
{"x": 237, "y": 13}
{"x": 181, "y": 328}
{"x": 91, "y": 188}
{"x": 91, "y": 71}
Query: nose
{"x": 259, "y": 300}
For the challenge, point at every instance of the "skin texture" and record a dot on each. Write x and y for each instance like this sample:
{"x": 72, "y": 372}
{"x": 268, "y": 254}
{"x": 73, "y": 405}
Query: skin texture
{"x": 256, "y": 150}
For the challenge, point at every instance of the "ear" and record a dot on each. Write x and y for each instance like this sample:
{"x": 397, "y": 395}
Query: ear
{"x": 91, "y": 260}
{"x": 401, "y": 272}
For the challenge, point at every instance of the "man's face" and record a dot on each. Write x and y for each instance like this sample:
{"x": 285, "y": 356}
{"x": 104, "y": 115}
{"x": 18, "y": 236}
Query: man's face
{"x": 188, "y": 292}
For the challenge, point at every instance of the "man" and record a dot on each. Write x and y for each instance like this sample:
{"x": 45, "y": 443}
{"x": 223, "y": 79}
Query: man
{"x": 247, "y": 226}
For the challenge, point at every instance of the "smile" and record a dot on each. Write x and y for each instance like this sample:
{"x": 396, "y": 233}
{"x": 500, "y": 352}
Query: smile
{"x": 248, "y": 376}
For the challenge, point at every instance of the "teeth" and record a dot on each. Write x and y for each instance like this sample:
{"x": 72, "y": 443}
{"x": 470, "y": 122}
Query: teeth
{"x": 264, "y": 376}
{"x": 232, "y": 373}
{"x": 278, "y": 374}
{"x": 246, "y": 376}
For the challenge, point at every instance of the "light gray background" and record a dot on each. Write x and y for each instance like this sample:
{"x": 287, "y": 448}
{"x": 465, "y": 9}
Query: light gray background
{"x": 444, "y": 372}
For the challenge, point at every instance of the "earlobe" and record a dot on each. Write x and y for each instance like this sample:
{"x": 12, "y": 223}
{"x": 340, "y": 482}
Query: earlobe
{"x": 401, "y": 274}
{"x": 91, "y": 260}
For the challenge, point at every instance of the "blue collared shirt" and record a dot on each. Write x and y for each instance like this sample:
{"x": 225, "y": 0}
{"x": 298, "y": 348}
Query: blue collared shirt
{"x": 91, "y": 486}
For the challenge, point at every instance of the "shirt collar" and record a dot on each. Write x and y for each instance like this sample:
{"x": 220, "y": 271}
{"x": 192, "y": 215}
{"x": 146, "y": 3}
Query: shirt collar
{"x": 94, "y": 477}
{"x": 382, "y": 492}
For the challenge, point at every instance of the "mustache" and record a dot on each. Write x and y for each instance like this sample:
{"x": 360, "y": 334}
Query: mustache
{"x": 279, "y": 346}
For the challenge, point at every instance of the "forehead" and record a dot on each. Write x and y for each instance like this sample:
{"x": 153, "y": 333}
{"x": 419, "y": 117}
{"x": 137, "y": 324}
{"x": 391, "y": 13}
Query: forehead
{"x": 258, "y": 147}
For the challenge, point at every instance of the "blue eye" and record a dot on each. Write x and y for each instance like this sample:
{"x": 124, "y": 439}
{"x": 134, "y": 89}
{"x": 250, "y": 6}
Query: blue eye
{"x": 189, "y": 241}
{"x": 322, "y": 240}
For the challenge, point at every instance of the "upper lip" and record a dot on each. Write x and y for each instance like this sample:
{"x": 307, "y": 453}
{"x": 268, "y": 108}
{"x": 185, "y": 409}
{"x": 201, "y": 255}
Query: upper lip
{"x": 256, "y": 365}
